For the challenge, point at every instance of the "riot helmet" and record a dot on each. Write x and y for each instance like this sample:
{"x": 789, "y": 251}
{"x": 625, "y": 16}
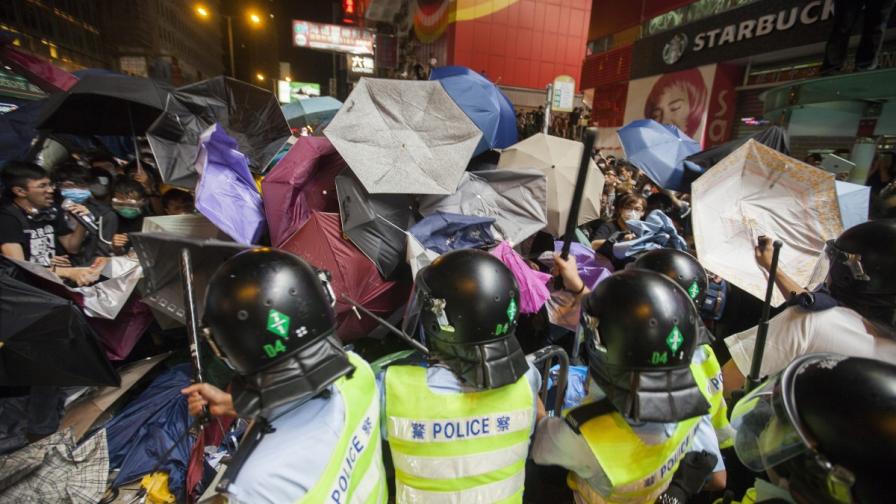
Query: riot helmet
{"x": 270, "y": 317}
{"x": 640, "y": 335}
{"x": 681, "y": 267}
{"x": 826, "y": 423}
{"x": 465, "y": 306}
{"x": 862, "y": 272}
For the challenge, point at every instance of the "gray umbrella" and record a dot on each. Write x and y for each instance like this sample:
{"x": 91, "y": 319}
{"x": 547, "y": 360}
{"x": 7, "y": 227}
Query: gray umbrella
{"x": 516, "y": 198}
{"x": 405, "y": 137}
{"x": 374, "y": 222}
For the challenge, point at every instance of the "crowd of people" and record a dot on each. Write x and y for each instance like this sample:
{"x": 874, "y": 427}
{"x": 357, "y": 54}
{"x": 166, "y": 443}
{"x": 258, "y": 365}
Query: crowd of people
{"x": 563, "y": 124}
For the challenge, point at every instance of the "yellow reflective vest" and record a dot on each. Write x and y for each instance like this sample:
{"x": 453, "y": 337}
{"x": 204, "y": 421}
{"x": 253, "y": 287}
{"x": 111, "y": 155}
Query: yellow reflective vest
{"x": 708, "y": 374}
{"x": 464, "y": 447}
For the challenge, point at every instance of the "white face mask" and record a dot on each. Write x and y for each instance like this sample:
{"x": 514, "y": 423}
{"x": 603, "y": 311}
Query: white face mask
{"x": 628, "y": 215}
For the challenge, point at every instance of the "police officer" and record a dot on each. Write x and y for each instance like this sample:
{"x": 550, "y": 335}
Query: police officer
{"x": 853, "y": 314}
{"x": 315, "y": 407}
{"x": 825, "y": 427}
{"x": 644, "y": 409}
{"x": 459, "y": 423}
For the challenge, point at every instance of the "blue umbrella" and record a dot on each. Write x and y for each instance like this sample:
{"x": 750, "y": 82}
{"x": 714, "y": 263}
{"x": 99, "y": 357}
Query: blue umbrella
{"x": 442, "y": 232}
{"x": 483, "y": 103}
{"x": 311, "y": 111}
{"x": 658, "y": 150}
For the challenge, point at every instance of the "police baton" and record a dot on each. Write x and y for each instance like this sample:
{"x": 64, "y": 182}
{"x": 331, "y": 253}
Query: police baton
{"x": 590, "y": 136}
{"x": 191, "y": 317}
{"x": 759, "y": 346}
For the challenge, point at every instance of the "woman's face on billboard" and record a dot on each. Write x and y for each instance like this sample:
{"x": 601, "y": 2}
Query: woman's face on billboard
{"x": 672, "y": 107}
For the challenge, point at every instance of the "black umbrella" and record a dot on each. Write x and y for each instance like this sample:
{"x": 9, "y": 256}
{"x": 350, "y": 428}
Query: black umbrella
{"x": 160, "y": 255}
{"x": 375, "y": 223}
{"x": 249, "y": 114}
{"x": 45, "y": 340}
{"x": 773, "y": 136}
{"x": 107, "y": 104}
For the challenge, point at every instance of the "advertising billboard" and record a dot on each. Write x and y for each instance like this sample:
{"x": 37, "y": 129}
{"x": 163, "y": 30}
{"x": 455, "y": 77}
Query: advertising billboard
{"x": 288, "y": 92}
{"x": 329, "y": 37}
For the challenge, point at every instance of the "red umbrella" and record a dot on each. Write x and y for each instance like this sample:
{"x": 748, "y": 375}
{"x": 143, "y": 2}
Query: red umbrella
{"x": 302, "y": 182}
{"x": 321, "y": 242}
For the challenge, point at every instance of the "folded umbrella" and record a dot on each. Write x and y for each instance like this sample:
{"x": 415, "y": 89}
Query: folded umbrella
{"x": 320, "y": 242}
{"x": 656, "y": 231}
{"x": 532, "y": 283}
{"x": 443, "y": 231}
{"x": 375, "y": 223}
{"x": 44, "y": 340}
{"x": 191, "y": 225}
{"x": 558, "y": 158}
{"x": 854, "y": 200}
{"x": 249, "y": 114}
{"x": 227, "y": 194}
{"x": 302, "y": 182}
{"x": 484, "y": 104}
{"x": 311, "y": 112}
{"x": 758, "y": 191}
{"x": 403, "y": 136}
{"x": 658, "y": 150}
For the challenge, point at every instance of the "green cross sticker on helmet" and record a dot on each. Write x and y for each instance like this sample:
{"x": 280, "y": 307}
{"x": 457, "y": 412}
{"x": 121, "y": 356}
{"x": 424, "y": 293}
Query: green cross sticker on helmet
{"x": 693, "y": 290}
{"x": 278, "y": 323}
{"x": 511, "y": 310}
{"x": 675, "y": 339}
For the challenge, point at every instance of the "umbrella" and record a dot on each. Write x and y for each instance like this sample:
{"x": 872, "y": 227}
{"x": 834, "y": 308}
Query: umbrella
{"x": 558, "y": 158}
{"x": 588, "y": 264}
{"x": 757, "y": 191}
{"x": 311, "y": 111}
{"x": 120, "y": 335}
{"x": 159, "y": 254}
{"x": 532, "y": 283}
{"x": 515, "y": 198}
{"x": 418, "y": 256}
{"x": 191, "y": 225}
{"x": 404, "y": 137}
{"x": 656, "y": 231}
{"x": 375, "y": 223}
{"x": 248, "y": 114}
{"x": 56, "y": 469}
{"x": 854, "y": 200}
{"x": 443, "y": 231}
{"x": 227, "y": 193}
{"x": 774, "y": 136}
{"x": 44, "y": 340}
{"x": 321, "y": 243}
{"x": 483, "y": 103}
{"x": 658, "y": 150}
{"x": 38, "y": 71}
{"x": 108, "y": 104}
{"x": 302, "y": 182}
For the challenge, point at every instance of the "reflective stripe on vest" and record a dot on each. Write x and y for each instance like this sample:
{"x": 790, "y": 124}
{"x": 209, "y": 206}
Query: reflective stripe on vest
{"x": 638, "y": 472}
{"x": 457, "y": 447}
{"x": 709, "y": 374}
{"x": 355, "y": 473}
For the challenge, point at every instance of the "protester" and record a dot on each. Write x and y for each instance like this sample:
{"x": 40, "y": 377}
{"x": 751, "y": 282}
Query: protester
{"x": 106, "y": 162}
{"x": 74, "y": 183}
{"x": 101, "y": 185}
{"x": 177, "y": 202}
{"x": 129, "y": 202}
{"x": 626, "y": 207}
{"x": 143, "y": 174}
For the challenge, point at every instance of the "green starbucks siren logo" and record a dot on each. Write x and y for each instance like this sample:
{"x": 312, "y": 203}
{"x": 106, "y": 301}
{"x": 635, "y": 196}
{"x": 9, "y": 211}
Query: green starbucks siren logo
{"x": 278, "y": 323}
{"x": 693, "y": 290}
{"x": 674, "y": 340}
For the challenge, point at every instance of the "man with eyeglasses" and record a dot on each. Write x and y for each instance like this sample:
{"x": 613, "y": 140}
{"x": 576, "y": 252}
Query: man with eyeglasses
{"x": 31, "y": 224}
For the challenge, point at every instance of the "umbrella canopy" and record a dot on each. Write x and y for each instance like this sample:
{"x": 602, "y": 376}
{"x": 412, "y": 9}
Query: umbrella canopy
{"x": 311, "y": 111}
{"x": 658, "y": 150}
{"x": 418, "y": 256}
{"x": 44, "y": 340}
{"x": 320, "y": 242}
{"x": 109, "y": 104}
{"x": 758, "y": 191}
{"x": 159, "y": 254}
{"x": 404, "y": 137}
{"x": 375, "y": 223}
{"x": 443, "y": 231}
{"x": 483, "y": 103}
{"x": 302, "y": 182}
{"x": 227, "y": 193}
{"x": 774, "y": 136}
{"x": 516, "y": 198}
{"x": 854, "y": 200}
{"x": 587, "y": 262}
{"x": 38, "y": 71}
{"x": 191, "y": 225}
{"x": 248, "y": 114}
{"x": 532, "y": 283}
{"x": 558, "y": 158}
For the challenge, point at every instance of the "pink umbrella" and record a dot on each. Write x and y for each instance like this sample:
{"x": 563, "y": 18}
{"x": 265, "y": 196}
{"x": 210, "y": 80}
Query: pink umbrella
{"x": 38, "y": 71}
{"x": 533, "y": 284}
{"x": 320, "y": 242}
{"x": 302, "y": 182}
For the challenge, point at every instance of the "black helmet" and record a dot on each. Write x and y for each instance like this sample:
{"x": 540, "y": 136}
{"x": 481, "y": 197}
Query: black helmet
{"x": 468, "y": 302}
{"x": 271, "y": 318}
{"x": 863, "y": 269}
{"x": 831, "y": 450}
{"x": 683, "y": 268}
{"x": 640, "y": 334}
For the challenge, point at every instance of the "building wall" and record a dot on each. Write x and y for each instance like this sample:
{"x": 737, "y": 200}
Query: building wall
{"x": 65, "y": 32}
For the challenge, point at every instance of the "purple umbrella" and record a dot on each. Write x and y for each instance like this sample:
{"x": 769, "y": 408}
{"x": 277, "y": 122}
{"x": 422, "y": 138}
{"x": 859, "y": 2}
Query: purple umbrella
{"x": 533, "y": 284}
{"x": 227, "y": 194}
{"x": 590, "y": 266}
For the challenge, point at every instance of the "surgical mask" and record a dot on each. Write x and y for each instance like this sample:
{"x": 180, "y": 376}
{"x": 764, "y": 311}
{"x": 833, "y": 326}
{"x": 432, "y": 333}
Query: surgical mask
{"x": 129, "y": 212}
{"x": 77, "y": 195}
{"x": 628, "y": 215}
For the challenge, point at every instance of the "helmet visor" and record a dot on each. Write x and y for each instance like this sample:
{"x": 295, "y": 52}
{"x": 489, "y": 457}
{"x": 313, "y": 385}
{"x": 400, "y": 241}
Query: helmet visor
{"x": 765, "y": 437}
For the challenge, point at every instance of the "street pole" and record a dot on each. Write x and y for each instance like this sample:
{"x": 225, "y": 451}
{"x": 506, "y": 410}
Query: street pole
{"x": 547, "y": 108}
{"x": 230, "y": 45}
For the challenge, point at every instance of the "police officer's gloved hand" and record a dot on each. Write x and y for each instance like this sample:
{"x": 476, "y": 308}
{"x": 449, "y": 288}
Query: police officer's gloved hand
{"x": 695, "y": 467}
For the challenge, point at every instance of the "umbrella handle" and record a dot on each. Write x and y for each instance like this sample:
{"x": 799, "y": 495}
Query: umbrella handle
{"x": 398, "y": 332}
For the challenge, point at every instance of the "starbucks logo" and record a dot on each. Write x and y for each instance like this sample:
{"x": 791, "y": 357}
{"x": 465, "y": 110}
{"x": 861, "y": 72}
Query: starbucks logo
{"x": 675, "y": 48}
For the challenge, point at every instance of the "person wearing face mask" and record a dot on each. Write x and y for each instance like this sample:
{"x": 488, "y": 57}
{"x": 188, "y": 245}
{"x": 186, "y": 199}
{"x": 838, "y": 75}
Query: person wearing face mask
{"x": 73, "y": 183}
{"x": 100, "y": 185}
{"x": 626, "y": 207}
{"x": 129, "y": 202}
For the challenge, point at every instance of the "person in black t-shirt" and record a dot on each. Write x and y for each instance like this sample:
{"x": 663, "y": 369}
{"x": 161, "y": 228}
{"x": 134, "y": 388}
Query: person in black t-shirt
{"x": 73, "y": 182}
{"x": 31, "y": 225}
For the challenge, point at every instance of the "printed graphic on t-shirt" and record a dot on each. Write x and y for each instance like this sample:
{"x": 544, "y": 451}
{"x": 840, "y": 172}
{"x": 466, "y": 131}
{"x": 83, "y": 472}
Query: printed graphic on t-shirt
{"x": 42, "y": 245}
